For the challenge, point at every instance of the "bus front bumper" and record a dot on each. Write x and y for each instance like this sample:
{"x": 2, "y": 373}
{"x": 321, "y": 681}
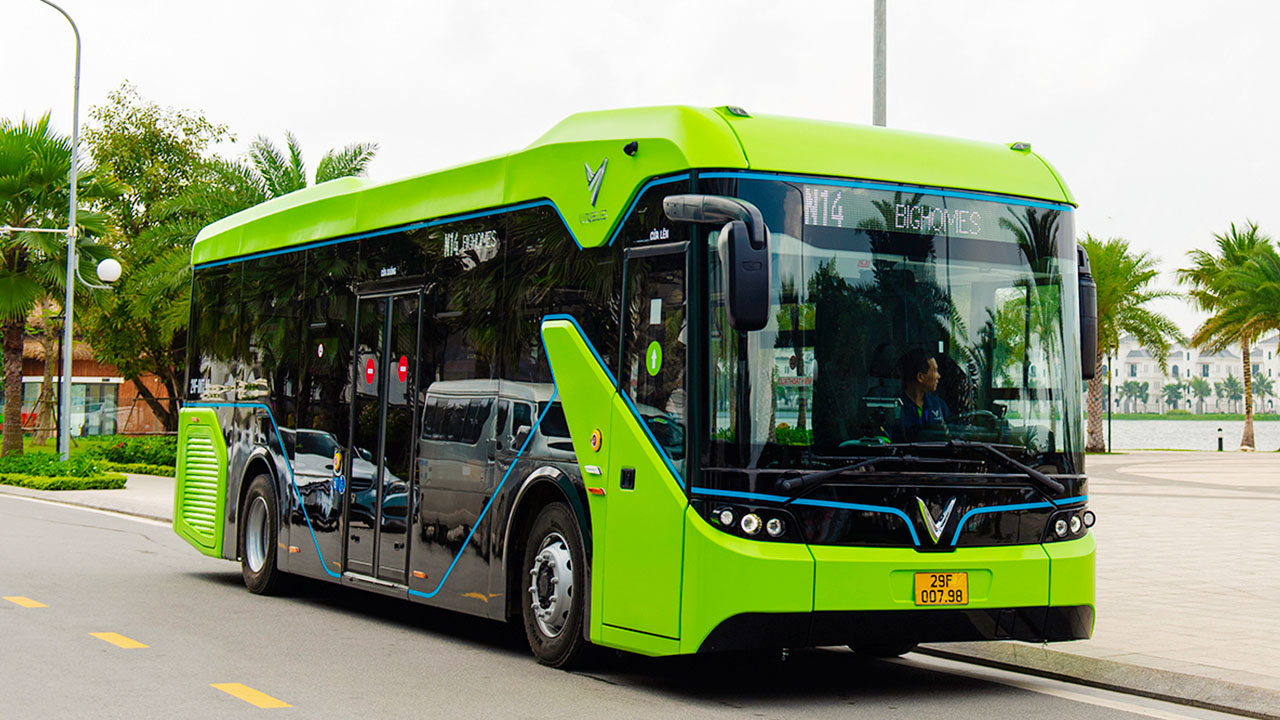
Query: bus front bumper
{"x": 756, "y": 594}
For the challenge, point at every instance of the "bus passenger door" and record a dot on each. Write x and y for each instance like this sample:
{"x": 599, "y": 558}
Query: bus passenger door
{"x": 379, "y": 460}
{"x": 644, "y": 531}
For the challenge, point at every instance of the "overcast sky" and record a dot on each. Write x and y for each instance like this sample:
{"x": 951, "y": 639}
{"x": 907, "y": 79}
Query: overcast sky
{"x": 1161, "y": 116}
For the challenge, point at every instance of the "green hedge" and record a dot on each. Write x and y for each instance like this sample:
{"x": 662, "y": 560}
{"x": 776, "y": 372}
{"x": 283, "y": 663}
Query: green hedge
{"x": 105, "y": 481}
{"x": 44, "y": 471}
{"x": 145, "y": 449}
{"x": 139, "y": 468}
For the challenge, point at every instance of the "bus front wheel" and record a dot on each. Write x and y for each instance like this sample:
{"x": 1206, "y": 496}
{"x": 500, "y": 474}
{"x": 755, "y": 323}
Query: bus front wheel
{"x": 553, "y": 588}
{"x": 259, "y": 533}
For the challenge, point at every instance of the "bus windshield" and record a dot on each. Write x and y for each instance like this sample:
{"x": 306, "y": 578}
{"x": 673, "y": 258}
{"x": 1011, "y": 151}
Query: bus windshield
{"x": 899, "y": 315}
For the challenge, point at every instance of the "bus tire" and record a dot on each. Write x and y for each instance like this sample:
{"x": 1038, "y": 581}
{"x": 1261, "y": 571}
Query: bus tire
{"x": 552, "y": 587}
{"x": 873, "y": 651}
{"x": 259, "y": 538}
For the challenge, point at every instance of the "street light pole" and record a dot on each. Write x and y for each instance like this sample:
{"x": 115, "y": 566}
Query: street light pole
{"x": 64, "y": 394}
{"x": 878, "y": 77}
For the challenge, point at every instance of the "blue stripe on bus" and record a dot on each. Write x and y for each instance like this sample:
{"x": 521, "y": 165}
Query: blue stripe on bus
{"x": 634, "y": 411}
{"x": 1070, "y": 500}
{"x": 492, "y": 498}
{"x": 292, "y": 481}
{"x": 995, "y": 508}
{"x": 451, "y": 219}
{"x": 884, "y": 186}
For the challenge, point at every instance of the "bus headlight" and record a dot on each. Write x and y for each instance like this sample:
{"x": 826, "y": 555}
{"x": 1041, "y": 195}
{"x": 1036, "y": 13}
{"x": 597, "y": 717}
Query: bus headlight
{"x": 775, "y": 527}
{"x": 750, "y": 523}
{"x": 1076, "y": 524}
{"x": 726, "y": 517}
{"x": 1089, "y": 518}
{"x": 1060, "y": 527}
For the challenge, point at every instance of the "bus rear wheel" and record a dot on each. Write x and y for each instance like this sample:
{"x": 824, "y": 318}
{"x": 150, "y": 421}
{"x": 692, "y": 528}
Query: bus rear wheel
{"x": 553, "y": 587}
{"x": 259, "y": 538}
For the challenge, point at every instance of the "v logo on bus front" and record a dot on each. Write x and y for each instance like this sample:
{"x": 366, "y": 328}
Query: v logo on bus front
{"x": 935, "y": 526}
{"x": 595, "y": 178}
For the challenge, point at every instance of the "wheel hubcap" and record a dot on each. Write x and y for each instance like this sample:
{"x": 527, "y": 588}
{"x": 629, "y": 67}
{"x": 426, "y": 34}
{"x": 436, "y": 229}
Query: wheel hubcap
{"x": 551, "y": 585}
{"x": 256, "y": 541}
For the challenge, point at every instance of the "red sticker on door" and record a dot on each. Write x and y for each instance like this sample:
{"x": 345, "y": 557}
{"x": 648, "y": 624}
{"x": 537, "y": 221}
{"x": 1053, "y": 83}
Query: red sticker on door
{"x": 403, "y": 368}
{"x": 369, "y": 369}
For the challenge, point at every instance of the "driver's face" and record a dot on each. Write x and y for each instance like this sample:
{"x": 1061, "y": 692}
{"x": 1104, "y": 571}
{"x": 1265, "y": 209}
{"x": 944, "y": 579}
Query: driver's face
{"x": 929, "y": 379}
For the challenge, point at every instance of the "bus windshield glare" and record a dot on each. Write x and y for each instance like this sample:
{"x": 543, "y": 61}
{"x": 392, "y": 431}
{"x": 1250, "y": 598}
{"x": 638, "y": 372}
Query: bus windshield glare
{"x": 899, "y": 315}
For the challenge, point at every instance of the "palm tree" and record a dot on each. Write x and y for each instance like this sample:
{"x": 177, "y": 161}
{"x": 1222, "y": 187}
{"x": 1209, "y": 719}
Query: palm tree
{"x": 1263, "y": 388}
{"x": 159, "y": 281}
{"x": 1199, "y": 389}
{"x": 1172, "y": 393}
{"x": 1230, "y": 390}
{"x": 35, "y": 164}
{"x": 1124, "y": 278}
{"x": 1218, "y": 286}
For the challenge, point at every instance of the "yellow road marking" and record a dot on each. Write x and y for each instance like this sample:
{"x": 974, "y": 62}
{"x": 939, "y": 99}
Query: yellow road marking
{"x": 119, "y": 640}
{"x": 249, "y": 695}
{"x": 25, "y": 602}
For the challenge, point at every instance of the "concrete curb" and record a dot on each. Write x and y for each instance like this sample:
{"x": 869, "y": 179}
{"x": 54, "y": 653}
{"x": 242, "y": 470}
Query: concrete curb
{"x": 1167, "y": 685}
{"x": 94, "y": 503}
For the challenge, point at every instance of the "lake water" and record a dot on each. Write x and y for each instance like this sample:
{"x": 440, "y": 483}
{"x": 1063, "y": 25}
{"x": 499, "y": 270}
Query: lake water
{"x": 1189, "y": 434}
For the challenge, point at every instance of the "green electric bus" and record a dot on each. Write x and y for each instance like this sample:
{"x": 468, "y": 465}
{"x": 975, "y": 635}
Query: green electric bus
{"x": 669, "y": 380}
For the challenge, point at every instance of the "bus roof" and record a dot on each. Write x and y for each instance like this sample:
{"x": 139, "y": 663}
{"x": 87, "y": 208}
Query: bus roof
{"x": 559, "y": 166}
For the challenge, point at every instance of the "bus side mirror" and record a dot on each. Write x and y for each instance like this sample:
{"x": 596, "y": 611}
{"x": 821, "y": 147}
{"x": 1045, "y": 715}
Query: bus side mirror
{"x": 1088, "y": 317}
{"x": 745, "y": 274}
{"x": 744, "y": 253}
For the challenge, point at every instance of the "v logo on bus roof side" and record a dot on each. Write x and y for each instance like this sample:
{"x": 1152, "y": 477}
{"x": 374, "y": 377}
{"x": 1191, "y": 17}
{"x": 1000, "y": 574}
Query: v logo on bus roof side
{"x": 595, "y": 178}
{"x": 935, "y": 527}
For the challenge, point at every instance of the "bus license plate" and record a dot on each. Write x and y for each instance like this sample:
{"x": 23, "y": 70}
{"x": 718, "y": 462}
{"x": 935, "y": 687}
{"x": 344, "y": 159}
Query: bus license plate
{"x": 942, "y": 588}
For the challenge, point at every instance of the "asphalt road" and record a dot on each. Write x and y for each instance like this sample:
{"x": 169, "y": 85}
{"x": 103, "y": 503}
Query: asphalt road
{"x": 328, "y": 651}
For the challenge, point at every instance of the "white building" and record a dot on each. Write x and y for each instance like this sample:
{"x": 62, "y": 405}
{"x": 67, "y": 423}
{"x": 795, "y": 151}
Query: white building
{"x": 1189, "y": 367}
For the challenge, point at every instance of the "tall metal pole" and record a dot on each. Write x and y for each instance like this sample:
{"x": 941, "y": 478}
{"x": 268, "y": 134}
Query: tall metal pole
{"x": 64, "y": 393}
{"x": 878, "y": 81}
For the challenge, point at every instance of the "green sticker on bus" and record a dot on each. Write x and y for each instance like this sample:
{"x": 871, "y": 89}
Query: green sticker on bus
{"x": 653, "y": 358}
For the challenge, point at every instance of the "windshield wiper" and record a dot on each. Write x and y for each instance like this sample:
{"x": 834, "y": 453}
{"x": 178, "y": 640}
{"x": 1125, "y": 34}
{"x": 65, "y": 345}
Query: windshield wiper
{"x": 994, "y": 451}
{"x": 800, "y": 482}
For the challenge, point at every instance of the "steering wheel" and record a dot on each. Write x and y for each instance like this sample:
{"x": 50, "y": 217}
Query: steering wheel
{"x": 978, "y": 418}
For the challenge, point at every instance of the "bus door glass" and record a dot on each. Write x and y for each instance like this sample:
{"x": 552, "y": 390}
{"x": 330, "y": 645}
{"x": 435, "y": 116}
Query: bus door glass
{"x": 644, "y": 529}
{"x": 380, "y": 459}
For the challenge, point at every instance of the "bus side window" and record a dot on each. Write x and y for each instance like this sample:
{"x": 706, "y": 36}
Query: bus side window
{"x": 500, "y": 429}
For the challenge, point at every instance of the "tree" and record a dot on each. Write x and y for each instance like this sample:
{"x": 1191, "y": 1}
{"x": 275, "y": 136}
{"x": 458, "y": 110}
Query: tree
{"x": 1132, "y": 392}
{"x": 1172, "y": 393}
{"x": 1199, "y": 389}
{"x": 177, "y": 186}
{"x": 1219, "y": 287}
{"x": 1230, "y": 390}
{"x": 155, "y": 154}
{"x": 1123, "y": 278}
{"x": 1263, "y": 388}
{"x": 35, "y": 164}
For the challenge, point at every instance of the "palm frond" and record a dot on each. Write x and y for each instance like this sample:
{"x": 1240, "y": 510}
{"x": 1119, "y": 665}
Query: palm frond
{"x": 351, "y": 161}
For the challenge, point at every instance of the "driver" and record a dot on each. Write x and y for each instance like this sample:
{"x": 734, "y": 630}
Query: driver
{"x": 919, "y": 402}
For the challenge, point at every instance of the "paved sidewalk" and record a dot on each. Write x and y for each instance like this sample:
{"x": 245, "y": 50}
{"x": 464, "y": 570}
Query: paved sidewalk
{"x": 1188, "y": 578}
{"x": 148, "y": 496}
{"x": 1188, "y": 582}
